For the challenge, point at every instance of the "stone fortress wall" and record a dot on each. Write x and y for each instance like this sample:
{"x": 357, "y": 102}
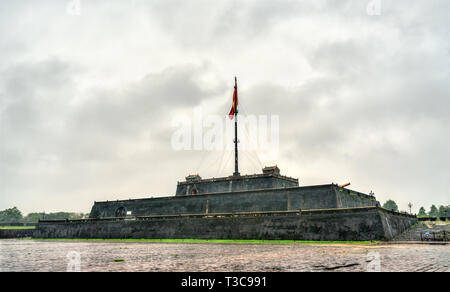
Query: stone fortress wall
{"x": 263, "y": 206}
{"x": 272, "y": 179}
{"x": 352, "y": 224}
{"x": 280, "y": 199}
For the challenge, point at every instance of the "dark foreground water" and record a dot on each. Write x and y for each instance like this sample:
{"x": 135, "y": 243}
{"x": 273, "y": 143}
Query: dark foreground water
{"x": 30, "y": 255}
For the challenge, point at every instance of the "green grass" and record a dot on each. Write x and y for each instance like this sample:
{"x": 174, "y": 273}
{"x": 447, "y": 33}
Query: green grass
{"x": 17, "y": 227}
{"x": 226, "y": 241}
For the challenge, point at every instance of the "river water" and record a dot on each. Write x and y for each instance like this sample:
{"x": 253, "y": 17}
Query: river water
{"x": 33, "y": 255}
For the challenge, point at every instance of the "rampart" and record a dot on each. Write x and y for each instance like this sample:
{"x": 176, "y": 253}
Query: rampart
{"x": 196, "y": 185}
{"x": 258, "y": 200}
{"x": 16, "y": 233}
{"x": 345, "y": 224}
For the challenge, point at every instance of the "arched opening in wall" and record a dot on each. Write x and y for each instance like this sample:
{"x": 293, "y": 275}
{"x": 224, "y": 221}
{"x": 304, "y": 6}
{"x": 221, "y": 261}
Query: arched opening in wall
{"x": 121, "y": 212}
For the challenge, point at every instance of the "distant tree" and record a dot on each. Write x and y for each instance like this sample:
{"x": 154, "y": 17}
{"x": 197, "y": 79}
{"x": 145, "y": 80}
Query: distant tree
{"x": 390, "y": 205}
{"x": 11, "y": 215}
{"x": 444, "y": 211}
{"x": 433, "y": 211}
{"x": 422, "y": 212}
{"x": 35, "y": 217}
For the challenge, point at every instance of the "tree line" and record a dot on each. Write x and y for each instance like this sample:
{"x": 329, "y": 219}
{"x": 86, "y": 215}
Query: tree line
{"x": 441, "y": 211}
{"x": 14, "y": 215}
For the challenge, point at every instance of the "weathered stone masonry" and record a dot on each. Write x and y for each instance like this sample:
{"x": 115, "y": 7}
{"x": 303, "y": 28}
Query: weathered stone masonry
{"x": 366, "y": 223}
{"x": 282, "y": 199}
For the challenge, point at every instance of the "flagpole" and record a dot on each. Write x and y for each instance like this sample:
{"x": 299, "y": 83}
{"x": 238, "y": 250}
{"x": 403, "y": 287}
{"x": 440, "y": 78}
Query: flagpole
{"x": 236, "y": 167}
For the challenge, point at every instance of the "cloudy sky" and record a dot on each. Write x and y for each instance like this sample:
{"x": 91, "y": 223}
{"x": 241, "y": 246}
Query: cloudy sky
{"x": 87, "y": 101}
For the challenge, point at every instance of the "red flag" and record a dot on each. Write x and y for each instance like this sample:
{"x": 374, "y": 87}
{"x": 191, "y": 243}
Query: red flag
{"x": 235, "y": 103}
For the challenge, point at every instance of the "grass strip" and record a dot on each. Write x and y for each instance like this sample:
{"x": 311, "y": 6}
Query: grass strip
{"x": 16, "y": 227}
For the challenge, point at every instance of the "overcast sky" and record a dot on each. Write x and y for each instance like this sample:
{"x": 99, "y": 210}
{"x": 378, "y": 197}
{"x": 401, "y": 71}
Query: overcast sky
{"x": 87, "y": 101}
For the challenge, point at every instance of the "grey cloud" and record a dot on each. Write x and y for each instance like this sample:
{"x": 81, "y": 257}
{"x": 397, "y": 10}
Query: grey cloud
{"x": 371, "y": 107}
{"x": 383, "y": 115}
{"x": 144, "y": 105}
{"x": 32, "y": 99}
{"x": 223, "y": 23}
{"x": 66, "y": 146}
